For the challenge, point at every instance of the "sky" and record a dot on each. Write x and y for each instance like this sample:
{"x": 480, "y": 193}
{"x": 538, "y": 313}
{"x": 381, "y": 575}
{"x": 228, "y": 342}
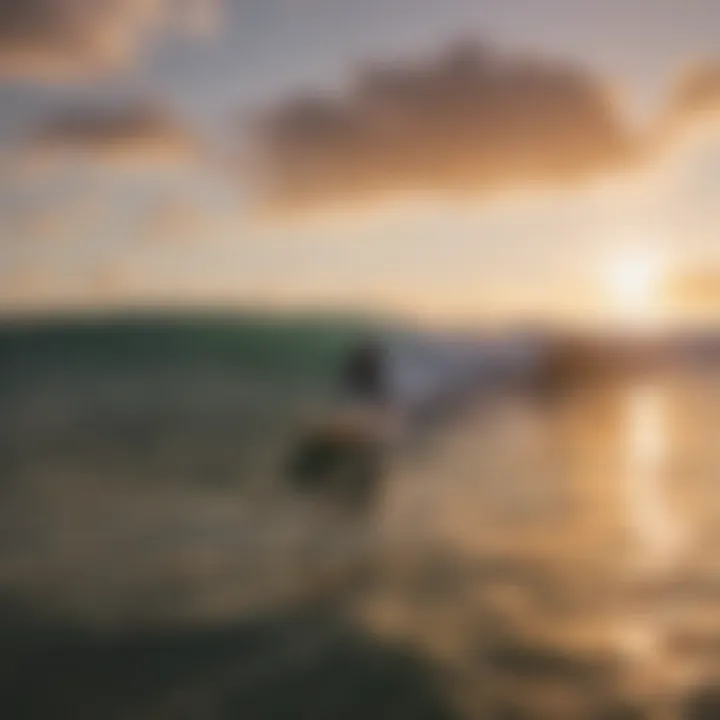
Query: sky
{"x": 515, "y": 160}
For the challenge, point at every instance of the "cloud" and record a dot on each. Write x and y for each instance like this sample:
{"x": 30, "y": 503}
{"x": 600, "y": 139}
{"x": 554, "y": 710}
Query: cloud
{"x": 52, "y": 39}
{"x": 469, "y": 121}
{"x": 697, "y": 290}
{"x": 697, "y": 93}
{"x": 140, "y": 136}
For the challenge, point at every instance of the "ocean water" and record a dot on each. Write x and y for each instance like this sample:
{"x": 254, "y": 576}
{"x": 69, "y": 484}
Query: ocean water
{"x": 562, "y": 559}
{"x": 530, "y": 559}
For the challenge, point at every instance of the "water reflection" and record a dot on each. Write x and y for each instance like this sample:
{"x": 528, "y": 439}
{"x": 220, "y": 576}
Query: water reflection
{"x": 551, "y": 555}
{"x": 657, "y": 532}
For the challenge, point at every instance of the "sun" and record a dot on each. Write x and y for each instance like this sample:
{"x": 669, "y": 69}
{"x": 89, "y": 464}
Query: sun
{"x": 632, "y": 283}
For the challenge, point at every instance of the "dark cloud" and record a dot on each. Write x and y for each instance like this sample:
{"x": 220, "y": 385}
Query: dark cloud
{"x": 468, "y": 121}
{"x": 138, "y": 136}
{"x": 60, "y": 38}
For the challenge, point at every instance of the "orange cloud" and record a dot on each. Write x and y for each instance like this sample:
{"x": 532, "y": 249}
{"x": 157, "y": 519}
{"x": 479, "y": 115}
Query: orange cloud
{"x": 466, "y": 121}
{"x": 65, "y": 38}
{"x": 699, "y": 290}
{"x": 698, "y": 91}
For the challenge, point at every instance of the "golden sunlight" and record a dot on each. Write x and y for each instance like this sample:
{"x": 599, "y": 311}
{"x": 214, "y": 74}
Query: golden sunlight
{"x": 632, "y": 284}
{"x": 651, "y": 516}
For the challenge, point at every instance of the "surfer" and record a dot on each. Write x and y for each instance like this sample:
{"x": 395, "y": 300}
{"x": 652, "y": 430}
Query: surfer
{"x": 345, "y": 453}
{"x": 364, "y": 377}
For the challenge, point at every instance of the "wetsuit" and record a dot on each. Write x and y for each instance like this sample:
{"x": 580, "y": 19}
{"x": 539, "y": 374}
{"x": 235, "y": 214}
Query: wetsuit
{"x": 364, "y": 376}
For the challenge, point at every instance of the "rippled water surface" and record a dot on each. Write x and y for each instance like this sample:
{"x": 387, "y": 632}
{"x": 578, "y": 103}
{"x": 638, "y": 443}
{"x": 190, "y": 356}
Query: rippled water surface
{"x": 569, "y": 552}
{"x": 534, "y": 560}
